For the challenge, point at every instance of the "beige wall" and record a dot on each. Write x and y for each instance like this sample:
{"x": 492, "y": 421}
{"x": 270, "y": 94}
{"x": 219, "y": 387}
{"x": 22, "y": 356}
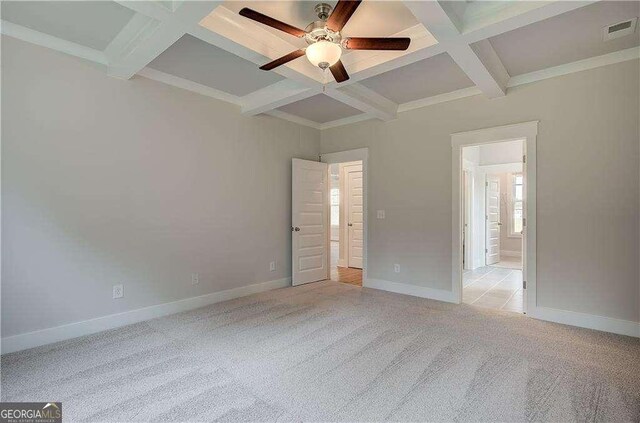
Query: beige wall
{"x": 106, "y": 181}
{"x": 588, "y": 148}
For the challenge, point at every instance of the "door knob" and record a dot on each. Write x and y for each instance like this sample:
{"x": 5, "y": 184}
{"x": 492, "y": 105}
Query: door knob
{"x": 499, "y": 223}
{"x": 350, "y": 224}
{"x": 297, "y": 229}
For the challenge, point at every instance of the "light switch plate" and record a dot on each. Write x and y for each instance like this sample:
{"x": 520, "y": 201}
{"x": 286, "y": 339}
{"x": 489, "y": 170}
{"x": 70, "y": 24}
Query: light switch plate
{"x": 272, "y": 266}
{"x": 396, "y": 268}
{"x": 380, "y": 214}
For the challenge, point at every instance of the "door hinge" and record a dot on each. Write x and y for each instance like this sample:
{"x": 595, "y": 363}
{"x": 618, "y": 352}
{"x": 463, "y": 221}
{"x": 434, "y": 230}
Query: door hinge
{"x": 524, "y": 159}
{"x": 486, "y": 251}
{"x": 524, "y": 222}
{"x": 486, "y": 183}
{"x": 319, "y": 158}
{"x": 524, "y": 284}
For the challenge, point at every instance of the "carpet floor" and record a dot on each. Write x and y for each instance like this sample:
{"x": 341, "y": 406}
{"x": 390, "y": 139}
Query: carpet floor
{"x": 334, "y": 352}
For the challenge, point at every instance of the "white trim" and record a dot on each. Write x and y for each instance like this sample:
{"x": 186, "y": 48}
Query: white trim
{"x": 366, "y": 100}
{"x": 509, "y": 253}
{"x": 589, "y": 321}
{"x": 527, "y": 131}
{"x": 345, "y": 121}
{"x": 409, "y": 289}
{"x": 293, "y": 118}
{"x": 73, "y": 330}
{"x": 361, "y": 154}
{"x": 188, "y": 85}
{"x": 54, "y": 43}
{"x": 276, "y": 95}
{"x": 479, "y": 62}
{"x": 440, "y": 98}
{"x": 579, "y": 66}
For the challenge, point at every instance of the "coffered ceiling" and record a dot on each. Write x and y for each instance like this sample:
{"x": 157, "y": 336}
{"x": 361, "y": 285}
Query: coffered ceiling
{"x": 458, "y": 49}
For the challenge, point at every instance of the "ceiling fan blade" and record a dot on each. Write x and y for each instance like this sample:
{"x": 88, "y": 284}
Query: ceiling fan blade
{"x": 273, "y": 23}
{"x": 362, "y": 43}
{"x": 341, "y": 14}
{"x": 282, "y": 60}
{"x": 339, "y": 72}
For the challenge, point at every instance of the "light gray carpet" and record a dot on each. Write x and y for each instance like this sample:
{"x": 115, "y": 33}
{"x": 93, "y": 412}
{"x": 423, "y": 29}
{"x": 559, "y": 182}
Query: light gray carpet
{"x": 335, "y": 352}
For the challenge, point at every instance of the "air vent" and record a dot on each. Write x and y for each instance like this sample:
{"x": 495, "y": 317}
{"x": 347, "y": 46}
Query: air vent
{"x": 619, "y": 29}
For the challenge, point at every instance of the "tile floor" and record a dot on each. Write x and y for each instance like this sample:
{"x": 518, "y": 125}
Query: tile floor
{"x": 493, "y": 287}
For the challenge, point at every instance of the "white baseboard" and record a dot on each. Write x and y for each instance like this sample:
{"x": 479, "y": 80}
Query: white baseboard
{"x": 408, "y": 289}
{"x": 86, "y": 327}
{"x": 589, "y": 321}
{"x": 508, "y": 253}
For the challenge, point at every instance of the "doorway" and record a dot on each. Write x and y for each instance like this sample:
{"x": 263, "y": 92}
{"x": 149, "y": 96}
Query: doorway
{"x": 329, "y": 218}
{"x": 494, "y": 217}
{"x": 492, "y": 275}
{"x": 347, "y": 222}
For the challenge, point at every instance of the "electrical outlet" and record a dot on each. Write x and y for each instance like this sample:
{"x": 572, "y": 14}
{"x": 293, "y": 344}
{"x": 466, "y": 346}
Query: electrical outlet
{"x": 195, "y": 279}
{"x": 272, "y": 266}
{"x": 396, "y": 268}
{"x": 380, "y": 214}
{"x": 118, "y": 291}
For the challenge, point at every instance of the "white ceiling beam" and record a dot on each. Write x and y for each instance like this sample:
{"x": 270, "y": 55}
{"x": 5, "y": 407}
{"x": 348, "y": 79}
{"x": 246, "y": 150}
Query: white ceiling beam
{"x": 276, "y": 95}
{"x": 366, "y": 100}
{"x": 481, "y": 64}
{"x": 474, "y": 62}
{"x": 150, "y": 33}
{"x": 188, "y": 85}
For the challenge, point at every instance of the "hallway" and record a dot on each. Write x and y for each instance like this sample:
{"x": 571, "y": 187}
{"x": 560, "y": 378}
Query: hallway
{"x": 493, "y": 287}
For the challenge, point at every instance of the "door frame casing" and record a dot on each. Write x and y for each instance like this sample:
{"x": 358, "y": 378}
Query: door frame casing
{"x": 361, "y": 154}
{"x": 527, "y": 131}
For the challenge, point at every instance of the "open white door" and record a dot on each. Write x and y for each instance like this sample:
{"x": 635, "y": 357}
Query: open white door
{"x": 310, "y": 221}
{"x": 493, "y": 219}
{"x": 355, "y": 215}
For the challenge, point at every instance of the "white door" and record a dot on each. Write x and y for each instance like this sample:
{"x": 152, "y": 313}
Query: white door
{"x": 524, "y": 226}
{"x": 310, "y": 221}
{"x": 493, "y": 219}
{"x": 355, "y": 214}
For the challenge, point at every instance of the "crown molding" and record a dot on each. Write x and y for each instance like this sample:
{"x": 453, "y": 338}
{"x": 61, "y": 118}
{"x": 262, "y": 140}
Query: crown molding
{"x": 578, "y": 66}
{"x": 188, "y": 85}
{"x": 54, "y": 43}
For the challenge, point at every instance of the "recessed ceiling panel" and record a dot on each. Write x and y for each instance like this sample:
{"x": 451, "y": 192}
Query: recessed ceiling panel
{"x": 320, "y": 109}
{"x": 198, "y": 61}
{"x": 426, "y": 78}
{"x": 89, "y": 23}
{"x": 371, "y": 19}
{"x": 566, "y": 38}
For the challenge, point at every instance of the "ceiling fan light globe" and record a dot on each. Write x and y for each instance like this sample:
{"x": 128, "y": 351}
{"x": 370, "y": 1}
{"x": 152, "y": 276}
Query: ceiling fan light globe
{"x": 323, "y": 52}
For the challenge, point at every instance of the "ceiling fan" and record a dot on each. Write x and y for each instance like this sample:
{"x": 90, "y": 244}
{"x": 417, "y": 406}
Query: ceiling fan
{"x": 324, "y": 38}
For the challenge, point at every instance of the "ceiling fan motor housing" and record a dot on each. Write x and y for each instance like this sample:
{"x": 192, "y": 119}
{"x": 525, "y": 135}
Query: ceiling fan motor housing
{"x": 318, "y": 30}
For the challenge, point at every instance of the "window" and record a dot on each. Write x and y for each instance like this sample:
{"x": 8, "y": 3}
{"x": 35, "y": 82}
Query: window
{"x": 335, "y": 206}
{"x": 517, "y": 202}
